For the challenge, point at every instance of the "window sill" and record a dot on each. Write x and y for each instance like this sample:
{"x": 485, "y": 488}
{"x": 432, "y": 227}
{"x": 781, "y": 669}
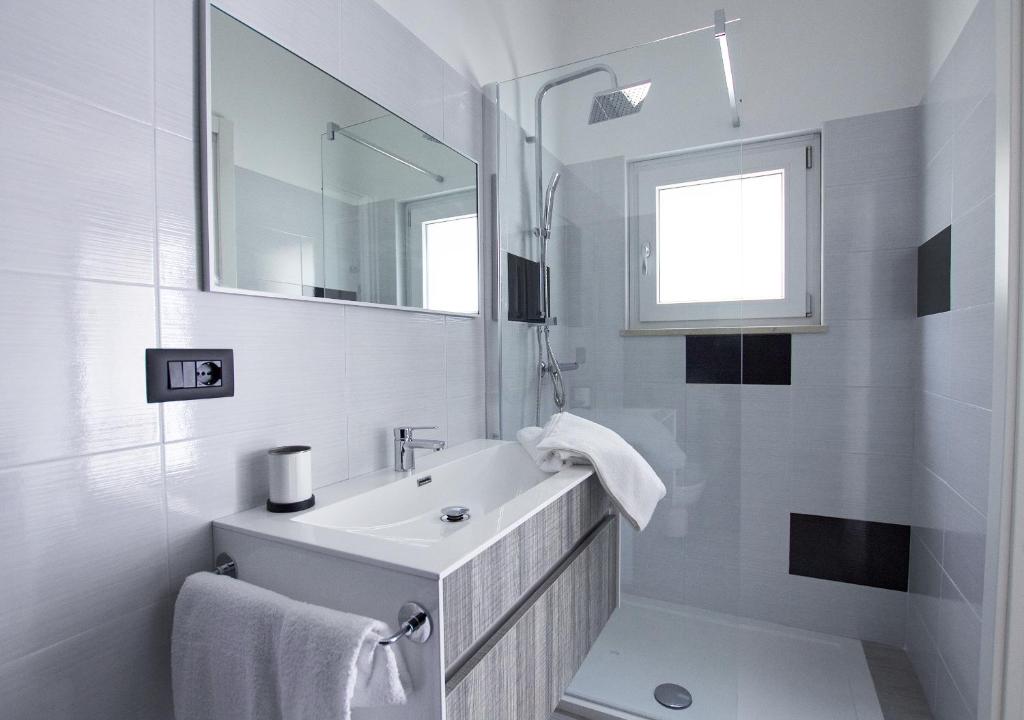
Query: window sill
{"x": 745, "y": 330}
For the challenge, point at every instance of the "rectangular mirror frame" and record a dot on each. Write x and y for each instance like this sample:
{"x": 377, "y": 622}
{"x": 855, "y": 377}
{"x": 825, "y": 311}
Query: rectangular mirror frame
{"x": 207, "y": 203}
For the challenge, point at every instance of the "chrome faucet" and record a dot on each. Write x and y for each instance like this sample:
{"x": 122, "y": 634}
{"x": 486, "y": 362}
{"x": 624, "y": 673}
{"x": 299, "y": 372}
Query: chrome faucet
{"x": 405, "y": 446}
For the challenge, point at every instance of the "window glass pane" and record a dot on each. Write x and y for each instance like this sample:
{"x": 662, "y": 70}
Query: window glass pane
{"x": 450, "y": 264}
{"x": 722, "y": 239}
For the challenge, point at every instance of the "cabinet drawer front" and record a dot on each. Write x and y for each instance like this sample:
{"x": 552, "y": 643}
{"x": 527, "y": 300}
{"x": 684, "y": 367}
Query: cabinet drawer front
{"x": 486, "y": 589}
{"x": 521, "y": 672}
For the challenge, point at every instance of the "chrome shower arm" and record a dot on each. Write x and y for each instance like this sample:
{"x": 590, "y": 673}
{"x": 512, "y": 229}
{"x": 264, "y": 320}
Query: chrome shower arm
{"x": 538, "y": 150}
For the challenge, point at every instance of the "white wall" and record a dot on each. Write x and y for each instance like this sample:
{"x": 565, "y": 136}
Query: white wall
{"x": 869, "y": 55}
{"x": 105, "y": 500}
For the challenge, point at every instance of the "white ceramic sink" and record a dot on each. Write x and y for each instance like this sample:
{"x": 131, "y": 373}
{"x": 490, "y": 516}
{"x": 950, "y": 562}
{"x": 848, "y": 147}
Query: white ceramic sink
{"x": 394, "y": 518}
{"x": 409, "y": 511}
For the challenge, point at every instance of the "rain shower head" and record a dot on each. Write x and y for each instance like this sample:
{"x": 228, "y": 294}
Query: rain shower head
{"x": 618, "y": 102}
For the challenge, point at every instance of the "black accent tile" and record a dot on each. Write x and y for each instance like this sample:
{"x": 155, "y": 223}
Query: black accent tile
{"x": 713, "y": 359}
{"x": 850, "y": 551}
{"x": 933, "y": 274}
{"x": 767, "y": 359}
{"x": 523, "y": 289}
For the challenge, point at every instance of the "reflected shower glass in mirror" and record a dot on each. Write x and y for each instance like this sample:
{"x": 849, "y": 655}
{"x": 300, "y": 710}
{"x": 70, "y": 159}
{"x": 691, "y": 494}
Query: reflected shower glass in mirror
{"x": 315, "y": 191}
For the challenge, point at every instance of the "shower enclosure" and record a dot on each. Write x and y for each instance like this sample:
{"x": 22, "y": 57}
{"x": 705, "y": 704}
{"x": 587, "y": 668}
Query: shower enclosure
{"x": 665, "y": 205}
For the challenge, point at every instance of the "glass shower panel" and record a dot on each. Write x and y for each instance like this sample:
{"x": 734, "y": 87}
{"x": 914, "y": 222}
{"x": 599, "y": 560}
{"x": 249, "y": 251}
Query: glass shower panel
{"x": 692, "y": 557}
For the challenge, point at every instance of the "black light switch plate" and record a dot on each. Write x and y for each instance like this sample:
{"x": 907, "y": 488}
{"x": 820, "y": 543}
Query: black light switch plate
{"x": 177, "y": 374}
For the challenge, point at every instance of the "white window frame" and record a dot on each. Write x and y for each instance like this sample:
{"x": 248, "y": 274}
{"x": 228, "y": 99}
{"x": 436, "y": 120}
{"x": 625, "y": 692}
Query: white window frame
{"x": 801, "y": 304}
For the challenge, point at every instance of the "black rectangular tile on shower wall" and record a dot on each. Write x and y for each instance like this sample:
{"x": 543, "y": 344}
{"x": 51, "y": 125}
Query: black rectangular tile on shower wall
{"x": 523, "y": 289}
{"x": 767, "y": 359}
{"x": 933, "y": 274}
{"x": 850, "y": 551}
{"x": 713, "y": 359}
{"x": 763, "y": 359}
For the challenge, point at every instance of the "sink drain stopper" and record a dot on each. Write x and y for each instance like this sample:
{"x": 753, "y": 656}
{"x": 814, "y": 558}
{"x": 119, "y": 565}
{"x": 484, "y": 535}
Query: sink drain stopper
{"x": 673, "y": 696}
{"x": 454, "y": 513}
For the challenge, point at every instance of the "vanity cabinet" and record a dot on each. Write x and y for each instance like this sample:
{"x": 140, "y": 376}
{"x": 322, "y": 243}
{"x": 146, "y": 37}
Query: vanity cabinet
{"x": 521, "y": 670}
{"x": 517, "y": 596}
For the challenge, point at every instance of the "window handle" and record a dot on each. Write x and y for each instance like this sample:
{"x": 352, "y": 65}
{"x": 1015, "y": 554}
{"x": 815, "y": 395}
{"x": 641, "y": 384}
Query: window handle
{"x": 645, "y": 251}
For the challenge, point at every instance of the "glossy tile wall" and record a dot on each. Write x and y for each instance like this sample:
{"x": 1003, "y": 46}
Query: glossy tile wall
{"x": 837, "y": 441}
{"x": 954, "y": 398}
{"x": 105, "y": 500}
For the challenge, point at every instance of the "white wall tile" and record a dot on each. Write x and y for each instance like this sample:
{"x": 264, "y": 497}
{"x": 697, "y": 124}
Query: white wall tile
{"x": 824, "y": 606}
{"x": 963, "y": 547}
{"x": 949, "y": 703}
{"x": 937, "y": 193}
{"x": 463, "y": 114}
{"x": 73, "y": 379}
{"x": 927, "y": 514}
{"x": 933, "y": 433}
{"x": 923, "y": 654}
{"x": 825, "y": 481}
{"x": 394, "y": 359}
{"x": 866, "y": 285}
{"x": 872, "y": 216}
{"x": 463, "y": 350}
{"x": 177, "y": 210}
{"x": 935, "y": 354}
{"x": 289, "y": 360}
{"x": 390, "y": 65}
{"x": 925, "y": 588}
{"x": 217, "y": 476}
{"x": 971, "y": 331}
{"x": 309, "y": 28}
{"x": 177, "y": 66}
{"x": 465, "y": 419}
{"x": 76, "y": 194}
{"x": 969, "y": 461}
{"x": 100, "y": 52}
{"x": 960, "y": 642}
{"x": 116, "y": 670}
{"x": 875, "y": 353}
{"x": 870, "y": 148}
{"x": 84, "y": 543}
{"x": 858, "y": 420}
{"x": 974, "y": 147}
{"x": 973, "y": 263}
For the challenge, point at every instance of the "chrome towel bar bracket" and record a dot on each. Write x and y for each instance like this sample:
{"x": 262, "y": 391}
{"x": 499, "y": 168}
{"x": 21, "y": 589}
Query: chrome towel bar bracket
{"x": 225, "y": 566}
{"x": 414, "y": 623}
{"x": 413, "y": 619}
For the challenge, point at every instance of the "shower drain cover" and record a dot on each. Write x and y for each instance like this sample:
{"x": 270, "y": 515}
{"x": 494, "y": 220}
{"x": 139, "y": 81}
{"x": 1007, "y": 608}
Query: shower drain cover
{"x": 673, "y": 696}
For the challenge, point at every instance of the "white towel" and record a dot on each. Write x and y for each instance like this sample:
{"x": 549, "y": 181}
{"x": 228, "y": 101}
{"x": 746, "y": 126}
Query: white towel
{"x": 240, "y": 652}
{"x": 547, "y": 460}
{"x": 628, "y": 479}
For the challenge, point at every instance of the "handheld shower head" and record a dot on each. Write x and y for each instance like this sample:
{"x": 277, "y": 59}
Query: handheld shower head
{"x": 549, "y": 205}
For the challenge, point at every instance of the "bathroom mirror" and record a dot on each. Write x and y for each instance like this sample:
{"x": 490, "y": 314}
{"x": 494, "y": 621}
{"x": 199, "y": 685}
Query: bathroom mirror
{"x": 314, "y": 191}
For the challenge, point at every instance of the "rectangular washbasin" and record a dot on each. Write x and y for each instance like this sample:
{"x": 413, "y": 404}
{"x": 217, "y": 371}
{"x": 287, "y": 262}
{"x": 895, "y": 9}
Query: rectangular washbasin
{"x": 395, "y": 518}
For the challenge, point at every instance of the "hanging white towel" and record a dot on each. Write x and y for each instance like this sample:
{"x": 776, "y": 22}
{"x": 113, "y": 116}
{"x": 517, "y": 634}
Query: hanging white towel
{"x": 629, "y": 480}
{"x": 241, "y": 652}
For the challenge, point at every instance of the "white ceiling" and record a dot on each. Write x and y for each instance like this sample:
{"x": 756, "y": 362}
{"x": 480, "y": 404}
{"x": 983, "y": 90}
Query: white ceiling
{"x": 492, "y": 40}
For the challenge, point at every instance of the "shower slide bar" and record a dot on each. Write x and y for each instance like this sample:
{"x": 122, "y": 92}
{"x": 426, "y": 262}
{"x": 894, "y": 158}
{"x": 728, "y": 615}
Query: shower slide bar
{"x": 414, "y": 620}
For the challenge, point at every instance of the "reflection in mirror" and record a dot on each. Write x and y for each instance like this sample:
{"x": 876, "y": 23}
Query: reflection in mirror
{"x": 318, "y": 192}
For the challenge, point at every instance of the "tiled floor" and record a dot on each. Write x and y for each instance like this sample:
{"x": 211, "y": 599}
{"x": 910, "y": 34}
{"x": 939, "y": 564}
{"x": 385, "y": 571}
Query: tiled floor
{"x": 899, "y": 692}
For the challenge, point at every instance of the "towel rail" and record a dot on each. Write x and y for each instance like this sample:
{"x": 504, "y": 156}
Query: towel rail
{"x": 413, "y": 619}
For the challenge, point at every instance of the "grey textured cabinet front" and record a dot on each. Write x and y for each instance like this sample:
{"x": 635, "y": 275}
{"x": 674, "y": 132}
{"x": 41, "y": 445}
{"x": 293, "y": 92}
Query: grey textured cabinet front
{"x": 521, "y": 672}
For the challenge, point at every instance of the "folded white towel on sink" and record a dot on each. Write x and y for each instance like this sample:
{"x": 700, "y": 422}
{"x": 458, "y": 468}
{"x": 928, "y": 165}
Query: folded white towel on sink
{"x": 241, "y": 652}
{"x": 629, "y": 480}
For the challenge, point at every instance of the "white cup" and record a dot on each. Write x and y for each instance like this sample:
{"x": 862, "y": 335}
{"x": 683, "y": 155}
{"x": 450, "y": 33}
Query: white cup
{"x": 291, "y": 478}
